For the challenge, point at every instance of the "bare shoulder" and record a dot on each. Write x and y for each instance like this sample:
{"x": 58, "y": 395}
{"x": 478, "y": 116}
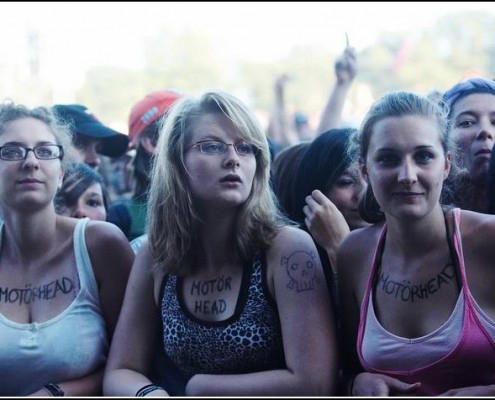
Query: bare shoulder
{"x": 472, "y": 221}
{"x": 108, "y": 249}
{"x": 291, "y": 245}
{"x": 478, "y": 230}
{"x": 290, "y": 236}
{"x": 144, "y": 263}
{"x": 356, "y": 251}
{"x": 288, "y": 240}
{"x": 359, "y": 241}
{"x": 101, "y": 235}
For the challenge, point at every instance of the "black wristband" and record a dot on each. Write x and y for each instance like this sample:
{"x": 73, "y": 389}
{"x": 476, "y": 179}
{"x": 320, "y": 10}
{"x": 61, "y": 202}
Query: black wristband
{"x": 147, "y": 389}
{"x": 54, "y": 389}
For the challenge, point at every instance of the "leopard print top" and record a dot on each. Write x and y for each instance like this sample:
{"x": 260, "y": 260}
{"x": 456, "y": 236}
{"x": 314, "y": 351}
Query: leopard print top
{"x": 249, "y": 341}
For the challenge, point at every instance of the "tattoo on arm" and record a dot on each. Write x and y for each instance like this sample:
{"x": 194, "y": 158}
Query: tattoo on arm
{"x": 301, "y": 269}
{"x": 31, "y": 294}
{"x": 406, "y": 291}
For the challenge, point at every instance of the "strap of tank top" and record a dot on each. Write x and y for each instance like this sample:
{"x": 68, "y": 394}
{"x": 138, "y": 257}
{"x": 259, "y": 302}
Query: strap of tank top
{"x": 458, "y": 247}
{"x": 83, "y": 260}
{"x": 453, "y": 255}
{"x": 372, "y": 276}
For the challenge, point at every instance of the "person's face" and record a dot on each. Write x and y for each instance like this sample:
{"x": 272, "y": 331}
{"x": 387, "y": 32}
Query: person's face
{"x": 87, "y": 150}
{"x": 344, "y": 193}
{"x": 406, "y": 165}
{"x": 218, "y": 180}
{"x": 90, "y": 204}
{"x": 30, "y": 182}
{"x": 473, "y": 126}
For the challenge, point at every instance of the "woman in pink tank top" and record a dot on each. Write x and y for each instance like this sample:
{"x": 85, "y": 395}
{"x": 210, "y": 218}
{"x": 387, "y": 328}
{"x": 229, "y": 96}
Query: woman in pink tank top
{"x": 416, "y": 287}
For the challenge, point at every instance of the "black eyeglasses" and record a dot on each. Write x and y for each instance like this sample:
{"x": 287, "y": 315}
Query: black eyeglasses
{"x": 41, "y": 152}
{"x": 214, "y": 147}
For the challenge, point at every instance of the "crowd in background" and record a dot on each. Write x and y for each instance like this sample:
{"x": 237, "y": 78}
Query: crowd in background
{"x": 203, "y": 254}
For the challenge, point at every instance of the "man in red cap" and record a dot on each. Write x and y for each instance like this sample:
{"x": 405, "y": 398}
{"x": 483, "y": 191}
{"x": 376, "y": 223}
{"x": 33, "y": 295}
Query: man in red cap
{"x": 144, "y": 123}
{"x": 148, "y": 110}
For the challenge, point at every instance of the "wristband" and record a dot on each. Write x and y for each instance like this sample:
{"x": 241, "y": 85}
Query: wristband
{"x": 54, "y": 390}
{"x": 147, "y": 389}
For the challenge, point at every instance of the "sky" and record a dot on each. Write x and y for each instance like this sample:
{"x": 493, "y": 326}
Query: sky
{"x": 78, "y": 35}
{"x": 110, "y": 32}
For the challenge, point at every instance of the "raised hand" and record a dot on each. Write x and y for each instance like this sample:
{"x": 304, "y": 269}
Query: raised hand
{"x": 346, "y": 66}
{"x": 325, "y": 222}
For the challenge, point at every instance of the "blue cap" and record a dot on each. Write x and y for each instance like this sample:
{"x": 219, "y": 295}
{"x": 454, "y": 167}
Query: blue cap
{"x": 471, "y": 86}
{"x": 85, "y": 123}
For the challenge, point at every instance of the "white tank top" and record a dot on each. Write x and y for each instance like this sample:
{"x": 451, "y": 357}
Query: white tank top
{"x": 68, "y": 346}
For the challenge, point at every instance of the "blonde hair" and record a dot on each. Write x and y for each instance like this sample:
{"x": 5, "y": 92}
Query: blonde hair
{"x": 173, "y": 220}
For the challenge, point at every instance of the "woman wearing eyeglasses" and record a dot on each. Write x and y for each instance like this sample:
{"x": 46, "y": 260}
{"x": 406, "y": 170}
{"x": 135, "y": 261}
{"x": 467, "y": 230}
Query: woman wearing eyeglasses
{"x": 62, "y": 280}
{"x": 233, "y": 295}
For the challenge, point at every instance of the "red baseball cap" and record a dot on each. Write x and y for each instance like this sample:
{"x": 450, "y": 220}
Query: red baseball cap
{"x": 148, "y": 110}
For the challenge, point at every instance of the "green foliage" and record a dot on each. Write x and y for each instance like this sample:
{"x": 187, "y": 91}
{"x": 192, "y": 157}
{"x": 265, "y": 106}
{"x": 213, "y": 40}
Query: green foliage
{"x": 110, "y": 92}
{"x": 435, "y": 58}
{"x": 187, "y": 62}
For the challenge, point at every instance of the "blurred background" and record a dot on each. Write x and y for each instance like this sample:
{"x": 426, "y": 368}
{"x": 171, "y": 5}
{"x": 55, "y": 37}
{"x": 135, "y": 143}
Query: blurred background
{"x": 108, "y": 55}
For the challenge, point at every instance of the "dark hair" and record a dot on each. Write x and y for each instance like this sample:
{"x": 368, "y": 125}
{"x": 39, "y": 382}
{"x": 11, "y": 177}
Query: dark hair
{"x": 77, "y": 178}
{"x": 284, "y": 169}
{"x": 399, "y": 104}
{"x": 143, "y": 162}
{"x": 325, "y": 160}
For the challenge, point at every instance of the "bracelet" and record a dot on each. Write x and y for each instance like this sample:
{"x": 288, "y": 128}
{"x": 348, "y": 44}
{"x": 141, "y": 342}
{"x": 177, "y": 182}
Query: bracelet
{"x": 147, "y": 389}
{"x": 54, "y": 390}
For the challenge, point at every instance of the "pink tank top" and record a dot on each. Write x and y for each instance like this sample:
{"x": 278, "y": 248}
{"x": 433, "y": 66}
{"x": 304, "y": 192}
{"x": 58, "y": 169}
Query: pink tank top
{"x": 460, "y": 353}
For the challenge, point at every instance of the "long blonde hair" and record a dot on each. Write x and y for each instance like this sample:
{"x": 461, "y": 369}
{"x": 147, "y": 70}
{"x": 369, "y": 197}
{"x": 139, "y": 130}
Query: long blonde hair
{"x": 173, "y": 220}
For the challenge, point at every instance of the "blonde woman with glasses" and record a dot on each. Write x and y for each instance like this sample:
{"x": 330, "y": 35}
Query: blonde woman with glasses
{"x": 233, "y": 296}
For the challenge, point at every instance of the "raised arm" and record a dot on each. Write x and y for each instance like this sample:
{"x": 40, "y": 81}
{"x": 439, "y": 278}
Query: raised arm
{"x": 345, "y": 72}
{"x": 279, "y": 127}
{"x": 326, "y": 223}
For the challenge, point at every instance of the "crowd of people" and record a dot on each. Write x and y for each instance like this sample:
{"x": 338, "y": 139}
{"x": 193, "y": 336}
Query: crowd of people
{"x": 244, "y": 261}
